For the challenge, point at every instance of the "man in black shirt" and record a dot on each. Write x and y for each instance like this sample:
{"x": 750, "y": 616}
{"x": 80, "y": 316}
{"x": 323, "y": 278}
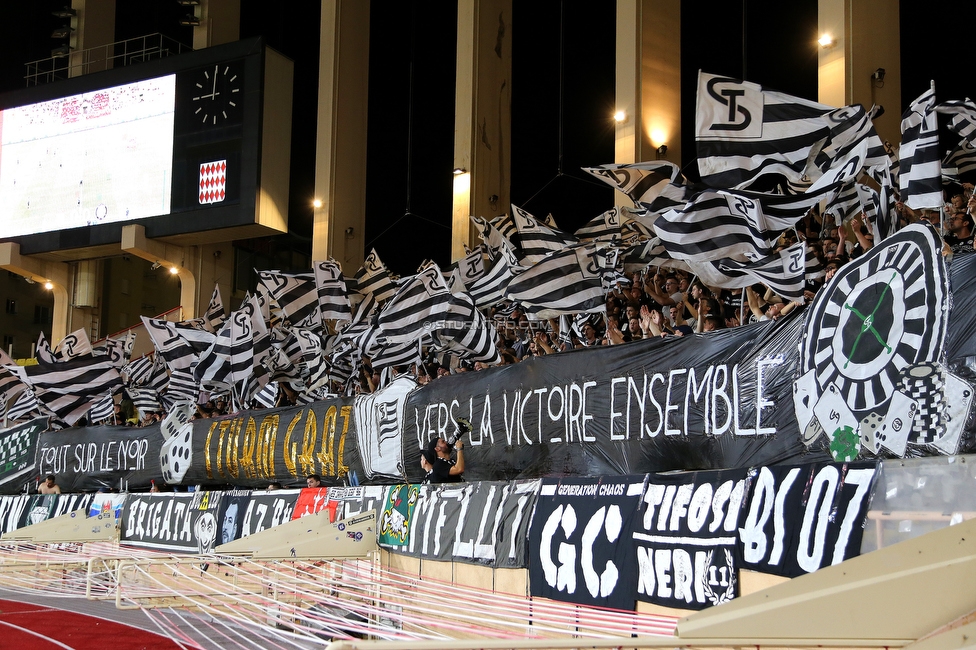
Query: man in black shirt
{"x": 444, "y": 469}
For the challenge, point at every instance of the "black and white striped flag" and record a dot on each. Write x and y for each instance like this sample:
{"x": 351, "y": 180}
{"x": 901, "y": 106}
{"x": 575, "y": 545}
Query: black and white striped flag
{"x": 24, "y": 407}
{"x": 12, "y": 380}
{"x": 651, "y": 252}
{"x": 463, "y": 331}
{"x": 146, "y": 400}
{"x": 566, "y": 282}
{"x": 962, "y": 117}
{"x": 314, "y": 356}
{"x": 138, "y": 371}
{"x": 845, "y": 205}
{"x": 492, "y": 238}
{"x": 879, "y": 209}
{"x": 267, "y": 397}
{"x": 260, "y": 348}
{"x": 642, "y": 182}
{"x": 920, "y": 175}
{"x": 68, "y": 388}
{"x": 103, "y": 409}
{"x": 279, "y": 367}
{"x": 374, "y": 279}
{"x": 535, "y": 239}
{"x": 420, "y": 300}
{"x": 118, "y": 350}
{"x": 396, "y": 354}
{"x": 816, "y": 269}
{"x": 958, "y": 161}
{"x": 43, "y": 350}
{"x": 179, "y": 345}
{"x": 744, "y": 131}
{"x": 72, "y": 346}
{"x": 182, "y": 388}
{"x": 783, "y": 272}
{"x": 491, "y": 288}
{"x": 505, "y": 226}
{"x": 744, "y": 225}
{"x": 333, "y": 301}
{"x": 470, "y": 268}
{"x": 296, "y": 295}
{"x": 214, "y": 317}
{"x": 605, "y": 227}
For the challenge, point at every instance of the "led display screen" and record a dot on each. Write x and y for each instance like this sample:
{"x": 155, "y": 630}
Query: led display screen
{"x": 98, "y": 157}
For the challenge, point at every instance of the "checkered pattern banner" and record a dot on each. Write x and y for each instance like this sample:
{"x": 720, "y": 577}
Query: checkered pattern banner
{"x": 18, "y": 448}
{"x": 213, "y": 182}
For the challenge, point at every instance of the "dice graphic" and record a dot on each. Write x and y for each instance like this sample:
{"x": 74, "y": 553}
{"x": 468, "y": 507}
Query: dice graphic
{"x": 176, "y": 454}
{"x": 871, "y": 432}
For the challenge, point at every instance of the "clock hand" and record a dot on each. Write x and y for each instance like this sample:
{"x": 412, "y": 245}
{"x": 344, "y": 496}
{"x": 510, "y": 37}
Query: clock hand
{"x": 214, "y": 94}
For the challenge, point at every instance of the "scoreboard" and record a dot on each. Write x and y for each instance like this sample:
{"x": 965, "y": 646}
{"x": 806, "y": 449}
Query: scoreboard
{"x": 175, "y": 144}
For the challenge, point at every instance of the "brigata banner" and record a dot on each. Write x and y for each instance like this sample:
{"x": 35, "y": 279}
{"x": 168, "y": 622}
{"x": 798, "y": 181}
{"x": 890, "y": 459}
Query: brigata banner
{"x": 799, "y": 519}
{"x": 686, "y": 536}
{"x": 714, "y": 401}
{"x": 101, "y": 458}
{"x": 18, "y": 453}
{"x": 581, "y": 544}
{"x": 172, "y": 521}
{"x": 483, "y": 523}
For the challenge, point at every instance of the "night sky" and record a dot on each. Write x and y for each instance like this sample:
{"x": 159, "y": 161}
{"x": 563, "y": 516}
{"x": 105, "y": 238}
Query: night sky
{"x": 409, "y": 187}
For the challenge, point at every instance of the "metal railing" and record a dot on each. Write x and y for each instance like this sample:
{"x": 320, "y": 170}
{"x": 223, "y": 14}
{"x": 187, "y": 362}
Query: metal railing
{"x": 104, "y": 57}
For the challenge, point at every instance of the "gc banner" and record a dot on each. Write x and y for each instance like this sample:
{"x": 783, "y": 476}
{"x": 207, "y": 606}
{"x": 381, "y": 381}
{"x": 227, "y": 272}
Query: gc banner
{"x": 581, "y": 542}
{"x": 167, "y": 521}
{"x": 686, "y": 536}
{"x": 800, "y": 519}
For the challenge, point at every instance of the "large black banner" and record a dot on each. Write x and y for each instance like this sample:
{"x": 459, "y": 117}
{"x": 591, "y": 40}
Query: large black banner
{"x": 484, "y": 523}
{"x": 267, "y": 509}
{"x": 12, "y": 509}
{"x": 799, "y": 519}
{"x": 93, "y": 458}
{"x": 254, "y": 448}
{"x": 167, "y": 521}
{"x": 18, "y": 453}
{"x": 686, "y": 538}
{"x": 711, "y": 402}
{"x": 581, "y": 546}
{"x": 27, "y": 509}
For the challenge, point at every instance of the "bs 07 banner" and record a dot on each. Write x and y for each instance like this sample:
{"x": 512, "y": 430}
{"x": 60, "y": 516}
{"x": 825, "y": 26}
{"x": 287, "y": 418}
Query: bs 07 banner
{"x": 800, "y": 519}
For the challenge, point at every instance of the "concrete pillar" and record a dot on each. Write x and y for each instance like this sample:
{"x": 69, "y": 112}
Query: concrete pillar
{"x": 52, "y": 275}
{"x": 186, "y": 260}
{"x": 648, "y": 82}
{"x": 482, "y": 116}
{"x": 864, "y": 37}
{"x": 94, "y": 28}
{"x": 220, "y": 22}
{"x": 339, "y": 211}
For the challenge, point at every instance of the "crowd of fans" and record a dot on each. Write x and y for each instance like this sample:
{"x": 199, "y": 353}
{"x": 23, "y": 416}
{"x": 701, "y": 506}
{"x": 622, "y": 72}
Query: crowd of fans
{"x": 655, "y": 302}
{"x": 663, "y": 302}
